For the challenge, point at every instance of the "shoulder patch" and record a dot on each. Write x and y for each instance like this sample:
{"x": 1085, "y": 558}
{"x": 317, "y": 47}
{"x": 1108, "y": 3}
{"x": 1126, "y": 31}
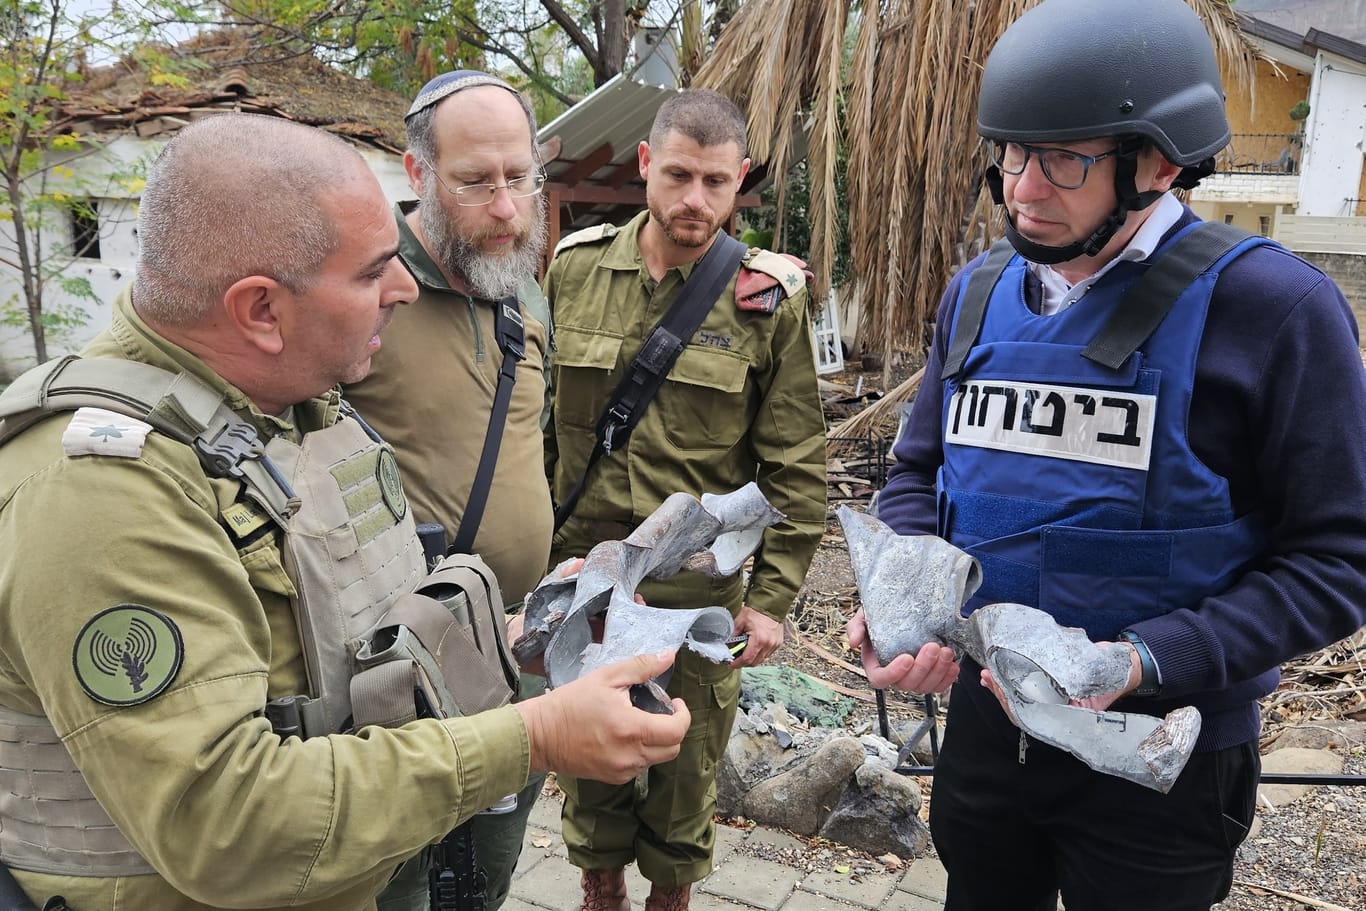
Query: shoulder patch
{"x": 766, "y": 278}
{"x": 96, "y": 431}
{"x": 786, "y": 269}
{"x": 127, "y": 654}
{"x": 591, "y": 235}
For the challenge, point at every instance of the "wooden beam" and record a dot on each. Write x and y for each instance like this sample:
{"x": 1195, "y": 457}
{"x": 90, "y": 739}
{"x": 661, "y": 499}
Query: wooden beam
{"x": 591, "y": 192}
{"x": 553, "y": 224}
{"x": 583, "y": 168}
{"x": 624, "y": 173}
{"x": 596, "y": 193}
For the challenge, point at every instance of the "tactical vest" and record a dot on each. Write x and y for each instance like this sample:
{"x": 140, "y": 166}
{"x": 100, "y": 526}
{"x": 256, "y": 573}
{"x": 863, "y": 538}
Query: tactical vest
{"x": 369, "y": 638}
{"x": 1067, "y": 468}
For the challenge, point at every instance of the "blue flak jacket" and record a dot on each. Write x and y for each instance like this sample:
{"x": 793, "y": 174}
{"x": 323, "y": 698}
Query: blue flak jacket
{"x": 1074, "y": 484}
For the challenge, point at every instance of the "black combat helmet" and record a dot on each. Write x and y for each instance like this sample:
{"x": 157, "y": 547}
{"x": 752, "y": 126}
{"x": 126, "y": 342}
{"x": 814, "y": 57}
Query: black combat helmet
{"x": 1081, "y": 69}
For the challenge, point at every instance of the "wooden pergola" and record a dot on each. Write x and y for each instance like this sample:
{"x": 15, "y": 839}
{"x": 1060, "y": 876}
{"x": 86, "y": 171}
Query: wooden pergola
{"x": 589, "y": 154}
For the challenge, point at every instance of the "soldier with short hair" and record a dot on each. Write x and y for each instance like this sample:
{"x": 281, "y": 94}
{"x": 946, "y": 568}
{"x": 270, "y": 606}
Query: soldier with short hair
{"x": 202, "y": 544}
{"x": 739, "y": 404}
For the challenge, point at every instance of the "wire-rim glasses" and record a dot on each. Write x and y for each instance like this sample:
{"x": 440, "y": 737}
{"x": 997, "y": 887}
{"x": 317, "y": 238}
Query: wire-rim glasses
{"x": 1064, "y": 169}
{"x": 482, "y": 194}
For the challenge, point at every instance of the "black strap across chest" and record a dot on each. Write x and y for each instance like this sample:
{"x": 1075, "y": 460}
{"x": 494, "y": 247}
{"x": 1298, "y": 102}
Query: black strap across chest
{"x": 1138, "y": 315}
{"x": 656, "y": 357}
{"x": 510, "y": 332}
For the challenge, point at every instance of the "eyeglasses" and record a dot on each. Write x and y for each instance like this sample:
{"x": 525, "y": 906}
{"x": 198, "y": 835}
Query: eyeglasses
{"x": 1064, "y": 169}
{"x": 481, "y": 194}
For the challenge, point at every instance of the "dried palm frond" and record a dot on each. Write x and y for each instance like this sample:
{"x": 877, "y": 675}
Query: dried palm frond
{"x": 779, "y": 60}
{"x": 916, "y": 210}
{"x": 881, "y": 417}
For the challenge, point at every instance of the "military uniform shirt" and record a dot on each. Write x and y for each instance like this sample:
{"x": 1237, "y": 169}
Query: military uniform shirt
{"x": 194, "y": 778}
{"x": 429, "y": 394}
{"x": 739, "y": 405}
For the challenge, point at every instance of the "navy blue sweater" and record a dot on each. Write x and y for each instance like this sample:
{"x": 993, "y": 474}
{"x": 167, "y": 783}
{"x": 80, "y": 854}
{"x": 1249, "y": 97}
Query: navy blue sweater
{"x": 1279, "y": 409}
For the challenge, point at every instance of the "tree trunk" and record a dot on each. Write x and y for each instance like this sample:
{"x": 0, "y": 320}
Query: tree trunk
{"x": 612, "y": 53}
{"x": 28, "y": 269}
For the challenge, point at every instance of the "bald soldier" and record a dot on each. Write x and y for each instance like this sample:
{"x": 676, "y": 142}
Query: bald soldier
{"x": 473, "y": 241}
{"x": 164, "y": 582}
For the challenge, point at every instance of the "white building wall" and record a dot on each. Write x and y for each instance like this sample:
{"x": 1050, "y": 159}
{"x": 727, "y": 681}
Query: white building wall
{"x": 1335, "y": 136}
{"x": 118, "y": 247}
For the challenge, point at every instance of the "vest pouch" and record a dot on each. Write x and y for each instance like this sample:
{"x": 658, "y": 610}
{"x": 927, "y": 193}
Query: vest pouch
{"x": 445, "y": 658}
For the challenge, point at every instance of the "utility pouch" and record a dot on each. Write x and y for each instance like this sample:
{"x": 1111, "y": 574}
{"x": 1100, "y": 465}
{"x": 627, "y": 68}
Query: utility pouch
{"x": 440, "y": 650}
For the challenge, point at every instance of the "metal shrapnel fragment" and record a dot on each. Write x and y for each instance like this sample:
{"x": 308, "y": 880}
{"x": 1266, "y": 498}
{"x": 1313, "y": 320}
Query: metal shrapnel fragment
{"x": 713, "y": 536}
{"x": 913, "y": 588}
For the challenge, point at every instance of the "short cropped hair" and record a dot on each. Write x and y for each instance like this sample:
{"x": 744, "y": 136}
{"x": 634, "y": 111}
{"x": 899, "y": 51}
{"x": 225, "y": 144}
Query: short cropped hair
{"x": 231, "y": 196}
{"x": 706, "y": 117}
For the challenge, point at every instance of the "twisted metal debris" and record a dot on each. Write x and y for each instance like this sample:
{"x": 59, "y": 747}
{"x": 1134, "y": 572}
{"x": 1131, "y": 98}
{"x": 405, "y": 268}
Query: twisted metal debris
{"x": 913, "y": 588}
{"x": 713, "y": 536}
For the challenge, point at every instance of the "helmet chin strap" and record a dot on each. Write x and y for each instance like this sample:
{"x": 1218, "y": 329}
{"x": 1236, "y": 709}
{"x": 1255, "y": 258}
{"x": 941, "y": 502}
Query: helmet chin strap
{"x": 1128, "y": 199}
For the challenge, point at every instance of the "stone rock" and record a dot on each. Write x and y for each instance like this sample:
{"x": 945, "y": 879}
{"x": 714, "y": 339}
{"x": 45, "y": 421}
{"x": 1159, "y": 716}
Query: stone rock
{"x": 879, "y": 748}
{"x": 1291, "y": 760}
{"x": 878, "y": 812}
{"x": 922, "y": 752}
{"x": 800, "y": 798}
{"x": 750, "y": 757}
{"x": 1321, "y": 736}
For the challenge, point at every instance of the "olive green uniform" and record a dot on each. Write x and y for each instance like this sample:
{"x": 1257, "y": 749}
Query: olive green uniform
{"x": 740, "y": 405}
{"x": 227, "y": 814}
{"x": 429, "y": 394}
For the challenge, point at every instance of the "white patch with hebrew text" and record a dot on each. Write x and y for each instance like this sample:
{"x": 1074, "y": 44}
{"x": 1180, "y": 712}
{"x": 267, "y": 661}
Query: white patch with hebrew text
{"x": 95, "y": 431}
{"x": 1102, "y": 426}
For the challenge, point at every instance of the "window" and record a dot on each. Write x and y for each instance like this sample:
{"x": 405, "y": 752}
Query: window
{"x": 1264, "y": 225}
{"x": 85, "y": 228}
{"x": 1228, "y": 218}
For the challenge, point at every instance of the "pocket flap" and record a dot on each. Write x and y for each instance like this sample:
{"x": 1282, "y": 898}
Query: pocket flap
{"x": 711, "y": 367}
{"x": 584, "y": 348}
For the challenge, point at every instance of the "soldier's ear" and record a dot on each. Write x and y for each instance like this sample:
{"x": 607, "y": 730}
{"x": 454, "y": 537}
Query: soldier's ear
{"x": 257, "y": 308}
{"x": 744, "y": 169}
{"x": 414, "y": 169}
{"x": 643, "y": 159}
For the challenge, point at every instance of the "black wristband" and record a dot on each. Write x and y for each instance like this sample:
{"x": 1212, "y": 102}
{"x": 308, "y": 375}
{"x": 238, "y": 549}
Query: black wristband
{"x": 1148, "y": 685}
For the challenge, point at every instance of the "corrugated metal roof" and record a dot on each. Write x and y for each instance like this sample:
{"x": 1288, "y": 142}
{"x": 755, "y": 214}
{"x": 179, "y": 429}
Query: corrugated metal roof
{"x": 619, "y": 112}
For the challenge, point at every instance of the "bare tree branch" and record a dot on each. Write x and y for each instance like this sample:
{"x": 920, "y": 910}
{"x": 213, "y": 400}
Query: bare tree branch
{"x": 586, "y": 46}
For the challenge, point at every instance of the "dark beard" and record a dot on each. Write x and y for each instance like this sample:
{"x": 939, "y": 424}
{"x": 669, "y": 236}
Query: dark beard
{"x": 492, "y": 277}
{"x": 662, "y": 220}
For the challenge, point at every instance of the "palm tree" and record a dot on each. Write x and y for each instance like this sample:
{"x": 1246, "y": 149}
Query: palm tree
{"x": 917, "y": 210}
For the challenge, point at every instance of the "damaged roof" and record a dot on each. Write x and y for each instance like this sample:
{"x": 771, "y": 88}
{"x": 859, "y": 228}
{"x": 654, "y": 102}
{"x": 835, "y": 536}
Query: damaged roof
{"x": 230, "y": 70}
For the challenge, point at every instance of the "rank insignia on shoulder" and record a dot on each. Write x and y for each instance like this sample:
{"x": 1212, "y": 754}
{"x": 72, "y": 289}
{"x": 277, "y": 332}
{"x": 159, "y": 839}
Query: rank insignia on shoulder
{"x": 587, "y": 236}
{"x": 766, "y": 278}
{"x": 96, "y": 431}
{"x": 127, "y": 654}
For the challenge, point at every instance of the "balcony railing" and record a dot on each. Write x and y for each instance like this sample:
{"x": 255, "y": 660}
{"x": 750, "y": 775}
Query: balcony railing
{"x": 1261, "y": 153}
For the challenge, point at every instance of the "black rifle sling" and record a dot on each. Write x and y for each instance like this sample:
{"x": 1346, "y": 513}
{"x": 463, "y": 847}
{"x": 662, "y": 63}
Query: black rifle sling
{"x": 455, "y": 881}
{"x": 657, "y": 356}
{"x": 511, "y": 336}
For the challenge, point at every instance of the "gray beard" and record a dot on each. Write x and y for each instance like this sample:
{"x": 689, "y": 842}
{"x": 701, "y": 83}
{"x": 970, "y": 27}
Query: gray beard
{"x": 489, "y": 276}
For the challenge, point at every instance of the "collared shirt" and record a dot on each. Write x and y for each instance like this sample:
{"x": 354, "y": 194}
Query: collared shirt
{"x": 1059, "y": 293}
{"x": 740, "y": 404}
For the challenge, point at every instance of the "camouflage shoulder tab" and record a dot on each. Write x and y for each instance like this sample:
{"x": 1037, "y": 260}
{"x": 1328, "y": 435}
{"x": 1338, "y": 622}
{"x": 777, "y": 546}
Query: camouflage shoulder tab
{"x": 587, "y": 236}
{"x": 775, "y": 265}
